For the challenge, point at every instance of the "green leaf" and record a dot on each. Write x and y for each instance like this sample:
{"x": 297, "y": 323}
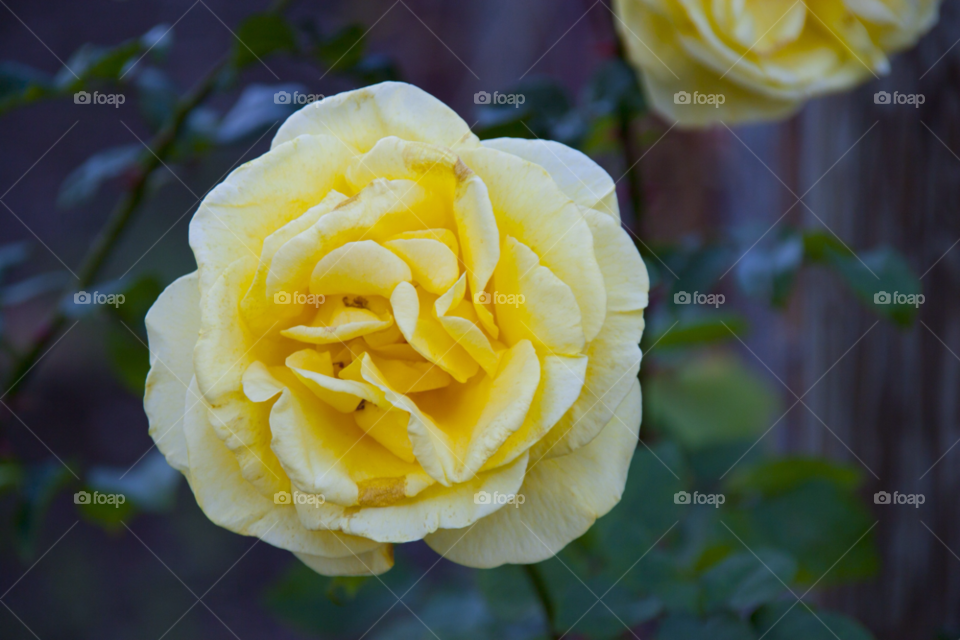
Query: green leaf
{"x": 11, "y": 475}
{"x": 158, "y": 40}
{"x": 84, "y": 181}
{"x": 129, "y": 359}
{"x": 601, "y": 137}
{"x": 709, "y": 401}
{"x": 126, "y": 338}
{"x": 343, "y": 589}
{"x": 544, "y": 111}
{"x": 769, "y": 272}
{"x": 819, "y": 245}
{"x": 722, "y": 627}
{"x": 613, "y": 89}
{"x": 741, "y": 582}
{"x": 93, "y": 62}
{"x": 258, "y": 107}
{"x": 451, "y": 613}
{"x": 816, "y": 523}
{"x": 375, "y": 68}
{"x": 300, "y": 598}
{"x": 892, "y": 290}
{"x": 697, "y": 330}
{"x": 25, "y": 290}
{"x": 775, "y": 477}
{"x": 647, "y": 509}
{"x": 12, "y": 255}
{"x": 342, "y": 50}
{"x": 40, "y": 483}
{"x": 698, "y": 267}
{"x": 575, "y": 596}
{"x": 779, "y": 621}
{"x": 109, "y": 512}
{"x": 137, "y": 300}
{"x": 158, "y": 97}
{"x": 20, "y": 84}
{"x": 151, "y": 485}
{"x": 508, "y": 592}
{"x": 261, "y": 35}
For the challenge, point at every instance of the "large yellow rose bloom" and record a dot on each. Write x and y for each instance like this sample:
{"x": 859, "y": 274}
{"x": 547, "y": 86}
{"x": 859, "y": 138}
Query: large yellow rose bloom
{"x": 764, "y": 57}
{"x": 397, "y": 332}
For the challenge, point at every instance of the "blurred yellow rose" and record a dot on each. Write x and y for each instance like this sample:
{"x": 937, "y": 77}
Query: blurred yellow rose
{"x": 397, "y": 332}
{"x": 746, "y": 60}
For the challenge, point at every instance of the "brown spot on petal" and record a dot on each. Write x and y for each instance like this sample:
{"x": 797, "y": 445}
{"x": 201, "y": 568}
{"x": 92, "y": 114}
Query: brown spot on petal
{"x": 357, "y": 302}
{"x": 381, "y": 492}
{"x": 462, "y": 171}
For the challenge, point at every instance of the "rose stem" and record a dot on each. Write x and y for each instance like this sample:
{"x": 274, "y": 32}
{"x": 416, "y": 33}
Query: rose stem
{"x": 540, "y": 586}
{"x": 161, "y": 145}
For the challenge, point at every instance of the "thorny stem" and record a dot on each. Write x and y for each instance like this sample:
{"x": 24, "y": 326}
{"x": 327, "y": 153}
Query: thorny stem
{"x": 161, "y": 145}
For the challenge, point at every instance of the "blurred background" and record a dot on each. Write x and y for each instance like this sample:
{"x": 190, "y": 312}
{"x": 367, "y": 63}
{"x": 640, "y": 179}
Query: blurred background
{"x": 795, "y": 395}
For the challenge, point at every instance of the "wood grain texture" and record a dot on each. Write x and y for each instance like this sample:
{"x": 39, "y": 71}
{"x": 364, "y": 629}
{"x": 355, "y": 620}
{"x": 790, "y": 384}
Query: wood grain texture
{"x": 892, "y": 400}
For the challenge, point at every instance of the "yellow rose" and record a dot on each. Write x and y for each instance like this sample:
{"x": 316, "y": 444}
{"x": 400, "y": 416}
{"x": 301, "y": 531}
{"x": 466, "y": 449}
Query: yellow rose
{"x": 753, "y": 60}
{"x": 397, "y": 332}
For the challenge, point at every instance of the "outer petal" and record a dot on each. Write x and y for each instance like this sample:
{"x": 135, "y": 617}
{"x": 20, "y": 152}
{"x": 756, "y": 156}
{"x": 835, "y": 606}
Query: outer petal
{"x": 222, "y": 354}
{"x": 258, "y": 198}
{"x": 583, "y": 180}
{"x": 369, "y": 563}
{"x": 359, "y": 119}
{"x": 173, "y": 324}
{"x": 614, "y": 355}
{"x": 231, "y": 502}
{"x": 436, "y": 507}
{"x": 562, "y": 499}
